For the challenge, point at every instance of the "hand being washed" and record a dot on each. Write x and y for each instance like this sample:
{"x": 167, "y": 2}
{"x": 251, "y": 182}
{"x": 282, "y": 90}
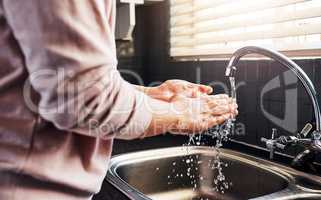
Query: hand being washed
{"x": 185, "y": 115}
{"x": 201, "y": 113}
{"x": 188, "y": 108}
{"x": 172, "y": 88}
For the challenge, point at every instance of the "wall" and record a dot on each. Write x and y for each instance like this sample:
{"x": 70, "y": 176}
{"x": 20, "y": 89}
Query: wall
{"x": 152, "y": 51}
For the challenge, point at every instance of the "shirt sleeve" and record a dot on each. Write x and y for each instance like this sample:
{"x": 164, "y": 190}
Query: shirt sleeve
{"x": 70, "y": 54}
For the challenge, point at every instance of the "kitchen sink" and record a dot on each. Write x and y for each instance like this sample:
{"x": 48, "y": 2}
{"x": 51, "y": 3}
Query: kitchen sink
{"x": 162, "y": 175}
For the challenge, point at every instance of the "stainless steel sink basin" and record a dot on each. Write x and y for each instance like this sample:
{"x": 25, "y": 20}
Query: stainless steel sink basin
{"x": 152, "y": 175}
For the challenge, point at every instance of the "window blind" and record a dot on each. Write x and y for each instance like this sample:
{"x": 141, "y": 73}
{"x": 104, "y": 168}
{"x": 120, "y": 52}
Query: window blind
{"x": 212, "y": 27}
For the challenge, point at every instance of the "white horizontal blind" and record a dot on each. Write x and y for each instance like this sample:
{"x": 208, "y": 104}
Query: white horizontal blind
{"x": 211, "y": 27}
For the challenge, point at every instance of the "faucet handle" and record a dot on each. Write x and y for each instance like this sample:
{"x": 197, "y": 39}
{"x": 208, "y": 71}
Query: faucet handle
{"x": 272, "y": 144}
{"x": 274, "y": 134}
{"x": 280, "y": 146}
{"x": 305, "y": 131}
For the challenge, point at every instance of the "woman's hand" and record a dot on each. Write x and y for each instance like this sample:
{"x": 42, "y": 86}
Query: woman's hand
{"x": 202, "y": 113}
{"x": 191, "y": 115}
{"x": 172, "y": 88}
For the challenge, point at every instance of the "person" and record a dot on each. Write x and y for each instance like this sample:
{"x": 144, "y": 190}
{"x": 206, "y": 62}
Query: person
{"x": 63, "y": 102}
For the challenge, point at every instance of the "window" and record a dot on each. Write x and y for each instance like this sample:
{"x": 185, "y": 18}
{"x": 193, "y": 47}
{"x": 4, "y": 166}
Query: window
{"x": 219, "y": 27}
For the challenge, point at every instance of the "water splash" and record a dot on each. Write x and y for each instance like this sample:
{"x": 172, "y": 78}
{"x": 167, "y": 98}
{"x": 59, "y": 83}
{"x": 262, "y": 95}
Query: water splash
{"x": 193, "y": 163}
{"x": 219, "y": 134}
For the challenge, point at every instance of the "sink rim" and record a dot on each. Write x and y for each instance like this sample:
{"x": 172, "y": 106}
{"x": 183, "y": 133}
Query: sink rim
{"x": 288, "y": 174}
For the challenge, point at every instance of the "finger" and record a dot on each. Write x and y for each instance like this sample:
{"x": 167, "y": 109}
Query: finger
{"x": 236, "y": 113}
{"x": 216, "y": 102}
{"x": 213, "y": 121}
{"x": 221, "y": 119}
{"x": 197, "y": 89}
{"x": 219, "y": 96}
{"x": 233, "y": 108}
{"x": 232, "y": 100}
{"x": 221, "y": 110}
{"x": 194, "y": 93}
{"x": 205, "y": 89}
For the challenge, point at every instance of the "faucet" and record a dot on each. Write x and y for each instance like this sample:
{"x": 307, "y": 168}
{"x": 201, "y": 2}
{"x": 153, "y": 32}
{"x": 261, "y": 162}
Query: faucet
{"x": 307, "y": 157}
{"x": 272, "y": 143}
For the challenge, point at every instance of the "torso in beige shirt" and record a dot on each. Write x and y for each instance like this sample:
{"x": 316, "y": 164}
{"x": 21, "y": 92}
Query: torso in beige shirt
{"x": 52, "y": 155}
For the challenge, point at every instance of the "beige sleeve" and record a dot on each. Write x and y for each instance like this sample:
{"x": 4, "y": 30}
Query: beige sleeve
{"x": 70, "y": 54}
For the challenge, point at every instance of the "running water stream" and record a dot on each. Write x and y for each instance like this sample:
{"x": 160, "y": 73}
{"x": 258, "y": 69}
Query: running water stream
{"x": 218, "y": 134}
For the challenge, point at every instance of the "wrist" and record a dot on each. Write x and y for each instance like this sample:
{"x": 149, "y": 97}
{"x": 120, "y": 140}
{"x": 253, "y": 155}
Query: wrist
{"x": 157, "y": 92}
{"x": 163, "y": 119}
{"x": 150, "y": 91}
{"x": 160, "y": 93}
{"x": 141, "y": 88}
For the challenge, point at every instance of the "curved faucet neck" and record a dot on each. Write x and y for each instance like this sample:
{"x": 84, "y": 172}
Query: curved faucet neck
{"x": 302, "y": 76}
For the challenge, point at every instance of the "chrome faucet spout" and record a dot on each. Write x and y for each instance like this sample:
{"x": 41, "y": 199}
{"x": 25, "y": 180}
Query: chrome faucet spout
{"x": 315, "y": 141}
{"x": 302, "y": 76}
